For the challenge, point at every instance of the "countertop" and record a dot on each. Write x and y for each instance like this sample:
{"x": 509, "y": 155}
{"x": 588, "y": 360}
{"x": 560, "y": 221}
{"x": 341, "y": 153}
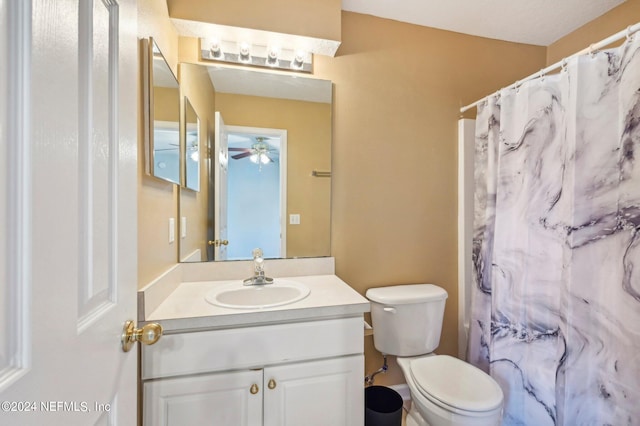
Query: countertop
{"x": 185, "y": 309}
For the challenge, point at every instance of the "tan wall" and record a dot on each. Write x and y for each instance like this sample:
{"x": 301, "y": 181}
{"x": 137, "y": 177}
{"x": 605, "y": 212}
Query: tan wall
{"x": 308, "y": 130}
{"x": 615, "y": 20}
{"x": 153, "y": 21}
{"x": 398, "y": 89}
{"x": 311, "y": 18}
{"x": 196, "y": 86}
{"x": 157, "y": 199}
{"x": 166, "y": 104}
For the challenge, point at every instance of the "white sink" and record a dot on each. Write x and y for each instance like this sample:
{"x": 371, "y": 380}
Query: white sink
{"x": 238, "y": 296}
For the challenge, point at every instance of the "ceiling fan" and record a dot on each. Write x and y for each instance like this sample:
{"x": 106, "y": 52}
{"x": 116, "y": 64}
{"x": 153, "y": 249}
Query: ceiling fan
{"x": 168, "y": 147}
{"x": 257, "y": 153}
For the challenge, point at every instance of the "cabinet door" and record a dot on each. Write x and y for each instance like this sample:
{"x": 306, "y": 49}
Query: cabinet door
{"x": 316, "y": 393}
{"x": 223, "y": 399}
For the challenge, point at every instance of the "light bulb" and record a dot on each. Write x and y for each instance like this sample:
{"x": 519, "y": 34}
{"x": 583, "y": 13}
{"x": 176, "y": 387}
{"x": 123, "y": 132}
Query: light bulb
{"x": 245, "y": 53}
{"x": 272, "y": 56}
{"x": 298, "y": 60}
{"x": 264, "y": 159}
{"x": 216, "y": 50}
{"x": 254, "y": 158}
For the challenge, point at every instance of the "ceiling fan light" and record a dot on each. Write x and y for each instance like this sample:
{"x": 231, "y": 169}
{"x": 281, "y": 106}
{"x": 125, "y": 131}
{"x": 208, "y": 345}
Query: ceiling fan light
{"x": 264, "y": 158}
{"x": 254, "y": 158}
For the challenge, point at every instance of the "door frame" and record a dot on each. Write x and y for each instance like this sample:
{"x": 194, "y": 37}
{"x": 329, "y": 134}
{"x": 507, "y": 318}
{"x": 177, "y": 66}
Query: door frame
{"x": 220, "y": 191}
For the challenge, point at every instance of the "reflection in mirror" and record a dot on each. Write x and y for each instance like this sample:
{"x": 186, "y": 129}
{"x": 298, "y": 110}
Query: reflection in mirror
{"x": 256, "y": 192}
{"x": 251, "y": 103}
{"x": 194, "y": 226}
{"x": 192, "y": 147}
{"x": 164, "y": 117}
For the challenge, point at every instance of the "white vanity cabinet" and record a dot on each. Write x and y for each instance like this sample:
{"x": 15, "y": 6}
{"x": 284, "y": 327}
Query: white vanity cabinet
{"x": 211, "y": 399}
{"x": 302, "y": 373}
{"x": 327, "y": 392}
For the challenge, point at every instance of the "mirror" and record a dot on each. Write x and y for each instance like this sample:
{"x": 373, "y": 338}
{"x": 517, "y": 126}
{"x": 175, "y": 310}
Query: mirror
{"x": 273, "y": 128}
{"x": 192, "y": 147}
{"x": 163, "y": 97}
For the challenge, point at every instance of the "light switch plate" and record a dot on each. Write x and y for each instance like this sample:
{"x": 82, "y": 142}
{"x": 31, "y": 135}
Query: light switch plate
{"x": 172, "y": 230}
{"x": 183, "y": 227}
{"x": 294, "y": 219}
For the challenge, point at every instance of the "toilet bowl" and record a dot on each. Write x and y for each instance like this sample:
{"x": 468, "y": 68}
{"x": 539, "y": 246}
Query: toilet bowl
{"x": 445, "y": 391}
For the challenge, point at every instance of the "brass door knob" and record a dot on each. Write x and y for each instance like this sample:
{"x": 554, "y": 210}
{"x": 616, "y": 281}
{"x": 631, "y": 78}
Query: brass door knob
{"x": 218, "y": 243}
{"x": 254, "y": 389}
{"x": 148, "y": 334}
{"x": 271, "y": 384}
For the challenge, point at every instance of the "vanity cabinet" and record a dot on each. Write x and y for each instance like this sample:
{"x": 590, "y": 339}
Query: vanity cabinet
{"x": 314, "y": 393}
{"x": 308, "y": 393}
{"x": 212, "y": 399}
{"x": 304, "y": 373}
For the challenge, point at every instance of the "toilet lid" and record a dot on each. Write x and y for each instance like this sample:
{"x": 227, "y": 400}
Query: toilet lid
{"x": 456, "y": 383}
{"x": 406, "y": 294}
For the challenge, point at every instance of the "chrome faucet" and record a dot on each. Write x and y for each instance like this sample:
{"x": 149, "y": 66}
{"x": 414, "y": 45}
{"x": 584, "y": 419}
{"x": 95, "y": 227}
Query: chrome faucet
{"x": 258, "y": 277}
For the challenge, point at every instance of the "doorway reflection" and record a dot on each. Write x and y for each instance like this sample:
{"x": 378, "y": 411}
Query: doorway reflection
{"x": 256, "y": 192}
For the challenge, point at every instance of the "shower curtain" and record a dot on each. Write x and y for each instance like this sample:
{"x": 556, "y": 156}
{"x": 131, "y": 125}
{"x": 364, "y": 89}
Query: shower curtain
{"x": 555, "y": 315}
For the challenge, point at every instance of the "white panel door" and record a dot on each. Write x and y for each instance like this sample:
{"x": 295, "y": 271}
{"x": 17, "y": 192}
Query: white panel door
{"x": 317, "y": 393}
{"x": 68, "y": 211}
{"x": 220, "y": 161}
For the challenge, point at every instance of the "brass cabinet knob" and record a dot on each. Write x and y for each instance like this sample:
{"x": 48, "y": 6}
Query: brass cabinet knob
{"x": 254, "y": 389}
{"x": 148, "y": 334}
{"x": 271, "y": 384}
{"x": 218, "y": 243}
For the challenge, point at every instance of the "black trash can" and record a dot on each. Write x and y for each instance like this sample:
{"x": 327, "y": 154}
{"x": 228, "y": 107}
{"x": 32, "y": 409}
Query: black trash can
{"x": 382, "y": 407}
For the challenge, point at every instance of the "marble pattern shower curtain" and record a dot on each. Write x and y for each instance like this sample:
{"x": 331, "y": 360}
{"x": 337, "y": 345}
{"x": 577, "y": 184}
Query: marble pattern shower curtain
{"x": 556, "y": 299}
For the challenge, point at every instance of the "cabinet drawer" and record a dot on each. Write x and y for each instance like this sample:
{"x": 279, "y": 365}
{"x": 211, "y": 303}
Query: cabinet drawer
{"x": 251, "y": 347}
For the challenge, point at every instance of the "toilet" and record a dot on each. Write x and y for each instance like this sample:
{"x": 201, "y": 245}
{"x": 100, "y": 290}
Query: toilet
{"x": 445, "y": 391}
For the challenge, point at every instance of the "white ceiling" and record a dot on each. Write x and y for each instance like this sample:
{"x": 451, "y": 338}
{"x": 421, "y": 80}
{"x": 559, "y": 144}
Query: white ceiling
{"x": 539, "y": 22}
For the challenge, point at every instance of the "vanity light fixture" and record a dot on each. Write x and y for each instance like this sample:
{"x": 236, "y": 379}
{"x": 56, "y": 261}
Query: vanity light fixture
{"x": 244, "y": 53}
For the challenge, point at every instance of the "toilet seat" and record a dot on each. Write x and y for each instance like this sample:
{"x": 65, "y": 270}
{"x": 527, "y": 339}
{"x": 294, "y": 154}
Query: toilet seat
{"x": 455, "y": 385}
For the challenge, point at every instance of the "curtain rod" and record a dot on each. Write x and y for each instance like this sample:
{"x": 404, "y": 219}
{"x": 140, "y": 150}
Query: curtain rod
{"x": 607, "y": 41}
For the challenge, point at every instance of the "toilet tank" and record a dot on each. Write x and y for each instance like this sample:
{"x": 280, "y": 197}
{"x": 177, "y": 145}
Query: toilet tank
{"x": 407, "y": 319}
